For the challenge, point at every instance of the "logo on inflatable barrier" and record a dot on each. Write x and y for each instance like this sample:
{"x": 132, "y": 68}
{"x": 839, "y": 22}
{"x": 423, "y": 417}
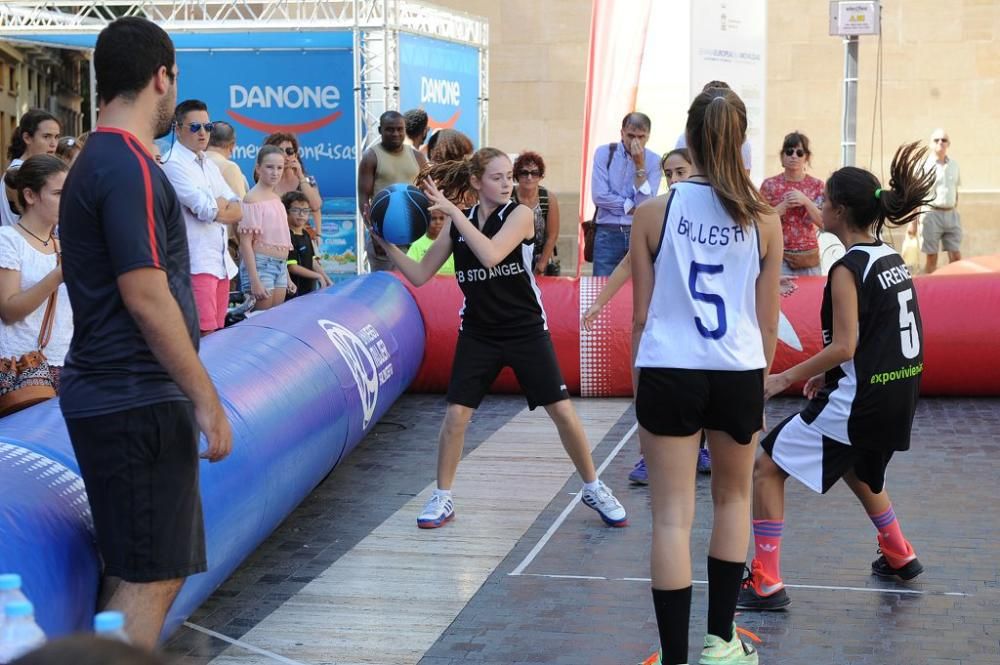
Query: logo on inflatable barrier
{"x": 368, "y": 359}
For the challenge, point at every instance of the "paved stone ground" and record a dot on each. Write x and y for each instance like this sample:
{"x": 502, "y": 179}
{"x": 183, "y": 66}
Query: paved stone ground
{"x": 945, "y": 491}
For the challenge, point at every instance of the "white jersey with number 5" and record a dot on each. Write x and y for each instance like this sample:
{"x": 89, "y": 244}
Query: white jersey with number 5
{"x": 703, "y": 313}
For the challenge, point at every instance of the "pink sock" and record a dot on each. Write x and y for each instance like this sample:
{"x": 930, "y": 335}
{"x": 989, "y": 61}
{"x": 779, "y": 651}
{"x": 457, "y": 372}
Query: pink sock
{"x": 891, "y": 536}
{"x": 767, "y": 546}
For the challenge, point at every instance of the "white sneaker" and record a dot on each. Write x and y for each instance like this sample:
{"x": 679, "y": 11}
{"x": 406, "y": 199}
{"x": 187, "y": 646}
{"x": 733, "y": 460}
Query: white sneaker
{"x": 438, "y": 511}
{"x": 606, "y": 505}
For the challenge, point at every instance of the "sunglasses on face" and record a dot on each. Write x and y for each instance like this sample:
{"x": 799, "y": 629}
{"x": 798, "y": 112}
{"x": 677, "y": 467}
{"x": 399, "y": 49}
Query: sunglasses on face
{"x": 941, "y": 140}
{"x": 289, "y": 151}
{"x": 534, "y": 173}
{"x": 795, "y": 151}
{"x": 196, "y": 127}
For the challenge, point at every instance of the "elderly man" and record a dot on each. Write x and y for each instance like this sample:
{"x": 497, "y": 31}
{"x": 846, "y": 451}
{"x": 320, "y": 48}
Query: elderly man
{"x": 942, "y": 225}
{"x": 208, "y": 205}
{"x": 625, "y": 174}
{"x": 221, "y": 144}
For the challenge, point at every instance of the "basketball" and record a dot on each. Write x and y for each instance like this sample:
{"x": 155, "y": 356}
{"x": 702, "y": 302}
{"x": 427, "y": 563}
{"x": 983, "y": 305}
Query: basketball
{"x": 399, "y": 213}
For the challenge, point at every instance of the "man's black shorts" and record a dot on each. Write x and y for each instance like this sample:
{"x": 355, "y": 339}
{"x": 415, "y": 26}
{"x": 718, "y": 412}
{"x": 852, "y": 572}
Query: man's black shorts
{"x": 680, "y": 402}
{"x": 478, "y": 361}
{"x": 140, "y": 467}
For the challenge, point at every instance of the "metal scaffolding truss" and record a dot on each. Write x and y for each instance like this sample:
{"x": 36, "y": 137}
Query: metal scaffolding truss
{"x": 36, "y": 16}
{"x": 376, "y": 26}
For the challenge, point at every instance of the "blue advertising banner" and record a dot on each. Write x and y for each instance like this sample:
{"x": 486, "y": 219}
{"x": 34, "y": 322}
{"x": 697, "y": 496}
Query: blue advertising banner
{"x": 309, "y": 93}
{"x": 442, "y": 78}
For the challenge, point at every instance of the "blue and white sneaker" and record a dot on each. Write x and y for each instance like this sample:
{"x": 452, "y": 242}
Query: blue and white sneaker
{"x": 638, "y": 475}
{"x": 704, "y": 461}
{"x": 438, "y": 511}
{"x": 606, "y": 505}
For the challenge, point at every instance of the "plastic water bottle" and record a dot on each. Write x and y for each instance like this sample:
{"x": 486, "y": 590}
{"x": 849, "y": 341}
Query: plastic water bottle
{"x": 10, "y": 592}
{"x": 20, "y": 633}
{"x": 111, "y": 625}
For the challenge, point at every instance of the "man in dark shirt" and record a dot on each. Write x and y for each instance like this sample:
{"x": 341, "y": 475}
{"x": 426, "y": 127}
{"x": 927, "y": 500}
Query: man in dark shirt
{"x": 134, "y": 392}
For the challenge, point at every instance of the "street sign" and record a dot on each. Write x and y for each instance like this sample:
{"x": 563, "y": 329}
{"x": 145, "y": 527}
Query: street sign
{"x": 855, "y": 18}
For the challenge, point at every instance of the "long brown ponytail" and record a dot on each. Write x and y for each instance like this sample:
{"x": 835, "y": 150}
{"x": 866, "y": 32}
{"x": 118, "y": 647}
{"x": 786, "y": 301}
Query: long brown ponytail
{"x": 910, "y": 188}
{"x": 454, "y": 178}
{"x": 716, "y": 129}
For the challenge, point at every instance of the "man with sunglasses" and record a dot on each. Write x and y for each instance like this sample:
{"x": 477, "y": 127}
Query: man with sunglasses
{"x": 942, "y": 224}
{"x": 208, "y": 204}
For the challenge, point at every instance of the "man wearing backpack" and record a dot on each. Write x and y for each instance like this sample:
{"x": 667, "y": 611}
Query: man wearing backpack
{"x": 620, "y": 182}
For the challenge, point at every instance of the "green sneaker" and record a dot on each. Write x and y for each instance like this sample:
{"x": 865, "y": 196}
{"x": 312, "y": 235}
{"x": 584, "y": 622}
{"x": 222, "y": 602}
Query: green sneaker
{"x": 734, "y": 652}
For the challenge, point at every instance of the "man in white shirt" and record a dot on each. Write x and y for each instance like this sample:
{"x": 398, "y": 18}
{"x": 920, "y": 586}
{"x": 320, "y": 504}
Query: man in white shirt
{"x": 208, "y": 204}
{"x": 942, "y": 225}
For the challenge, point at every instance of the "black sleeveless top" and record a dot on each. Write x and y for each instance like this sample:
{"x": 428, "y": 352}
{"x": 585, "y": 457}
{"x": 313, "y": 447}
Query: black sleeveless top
{"x": 875, "y": 392}
{"x": 502, "y": 301}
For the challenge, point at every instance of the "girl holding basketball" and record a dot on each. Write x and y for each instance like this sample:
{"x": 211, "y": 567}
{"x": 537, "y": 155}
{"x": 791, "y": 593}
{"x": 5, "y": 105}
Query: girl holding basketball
{"x": 862, "y": 386}
{"x": 503, "y": 322}
{"x": 706, "y": 259}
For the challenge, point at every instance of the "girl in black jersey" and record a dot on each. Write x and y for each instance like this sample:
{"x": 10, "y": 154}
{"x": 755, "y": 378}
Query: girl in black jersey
{"x": 864, "y": 383}
{"x": 503, "y": 322}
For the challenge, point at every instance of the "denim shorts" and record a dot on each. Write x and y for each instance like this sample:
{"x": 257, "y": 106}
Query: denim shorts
{"x": 272, "y": 272}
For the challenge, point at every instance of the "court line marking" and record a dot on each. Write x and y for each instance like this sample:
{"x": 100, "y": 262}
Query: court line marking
{"x": 569, "y": 508}
{"x": 243, "y": 645}
{"x": 819, "y": 587}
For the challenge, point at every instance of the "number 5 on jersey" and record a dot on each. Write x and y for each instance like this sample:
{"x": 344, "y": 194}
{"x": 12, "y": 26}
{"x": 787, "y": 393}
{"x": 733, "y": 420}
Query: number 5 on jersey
{"x": 710, "y": 298}
{"x": 909, "y": 336}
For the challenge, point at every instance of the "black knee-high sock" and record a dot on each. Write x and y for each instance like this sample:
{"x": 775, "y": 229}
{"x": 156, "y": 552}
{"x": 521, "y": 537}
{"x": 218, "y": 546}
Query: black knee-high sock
{"x": 724, "y": 578}
{"x": 673, "y": 616}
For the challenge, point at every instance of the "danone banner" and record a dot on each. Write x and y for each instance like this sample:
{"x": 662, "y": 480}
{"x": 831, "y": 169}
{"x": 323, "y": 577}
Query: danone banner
{"x": 309, "y": 93}
{"x": 442, "y": 78}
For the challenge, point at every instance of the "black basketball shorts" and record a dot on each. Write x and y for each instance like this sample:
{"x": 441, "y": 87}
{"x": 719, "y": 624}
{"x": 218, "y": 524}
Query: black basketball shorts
{"x": 818, "y": 461}
{"x": 680, "y": 402}
{"x": 478, "y": 361}
{"x": 140, "y": 467}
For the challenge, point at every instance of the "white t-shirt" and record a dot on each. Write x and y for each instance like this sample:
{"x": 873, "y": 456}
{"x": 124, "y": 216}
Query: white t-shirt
{"x": 19, "y": 338}
{"x": 7, "y": 216}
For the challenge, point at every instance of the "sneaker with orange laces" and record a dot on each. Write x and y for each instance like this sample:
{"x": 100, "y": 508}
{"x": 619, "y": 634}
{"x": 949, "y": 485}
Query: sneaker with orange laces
{"x": 761, "y": 593}
{"x": 893, "y": 564}
{"x": 655, "y": 659}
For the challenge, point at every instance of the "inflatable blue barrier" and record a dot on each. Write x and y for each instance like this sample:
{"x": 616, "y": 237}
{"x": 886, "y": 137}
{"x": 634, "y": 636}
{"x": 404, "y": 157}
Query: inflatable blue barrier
{"x": 301, "y": 384}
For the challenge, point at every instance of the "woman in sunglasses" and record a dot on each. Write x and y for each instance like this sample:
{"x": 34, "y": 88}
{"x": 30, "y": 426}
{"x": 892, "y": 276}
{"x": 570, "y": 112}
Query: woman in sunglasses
{"x": 295, "y": 178}
{"x": 529, "y": 169}
{"x": 798, "y": 198}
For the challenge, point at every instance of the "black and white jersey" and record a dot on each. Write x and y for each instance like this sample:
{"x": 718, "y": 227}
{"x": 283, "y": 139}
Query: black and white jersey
{"x": 502, "y": 301}
{"x": 869, "y": 400}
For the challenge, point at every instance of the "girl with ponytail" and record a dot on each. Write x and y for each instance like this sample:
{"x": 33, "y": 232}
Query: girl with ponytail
{"x": 706, "y": 259}
{"x": 503, "y": 323}
{"x": 36, "y": 134}
{"x": 862, "y": 387}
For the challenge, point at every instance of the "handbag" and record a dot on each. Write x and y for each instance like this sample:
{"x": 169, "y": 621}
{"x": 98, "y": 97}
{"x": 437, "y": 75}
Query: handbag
{"x": 799, "y": 260}
{"x": 590, "y": 226}
{"x": 27, "y": 380}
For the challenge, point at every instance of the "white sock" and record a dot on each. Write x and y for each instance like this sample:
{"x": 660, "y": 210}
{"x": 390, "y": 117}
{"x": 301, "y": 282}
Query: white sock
{"x": 592, "y": 486}
{"x": 441, "y": 492}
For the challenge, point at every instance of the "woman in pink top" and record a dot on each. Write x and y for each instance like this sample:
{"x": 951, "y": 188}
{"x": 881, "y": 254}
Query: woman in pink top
{"x": 264, "y": 235}
{"x": 798, "y": 198}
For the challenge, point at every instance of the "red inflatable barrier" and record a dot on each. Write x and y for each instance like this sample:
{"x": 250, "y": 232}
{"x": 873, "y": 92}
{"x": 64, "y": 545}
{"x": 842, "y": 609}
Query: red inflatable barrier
{"x": 960, "y": 315}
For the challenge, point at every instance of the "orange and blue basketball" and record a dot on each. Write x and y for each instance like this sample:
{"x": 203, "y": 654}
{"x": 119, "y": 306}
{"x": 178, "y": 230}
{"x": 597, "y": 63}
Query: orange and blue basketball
{"x": 399, "y": 213}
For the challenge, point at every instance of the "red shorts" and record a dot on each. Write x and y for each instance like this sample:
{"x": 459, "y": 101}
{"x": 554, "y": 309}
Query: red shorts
{"x": 211, "y": 297}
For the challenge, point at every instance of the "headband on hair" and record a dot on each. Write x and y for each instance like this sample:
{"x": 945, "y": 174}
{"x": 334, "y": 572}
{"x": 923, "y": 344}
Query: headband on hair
{"x": 878, "y": 193}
